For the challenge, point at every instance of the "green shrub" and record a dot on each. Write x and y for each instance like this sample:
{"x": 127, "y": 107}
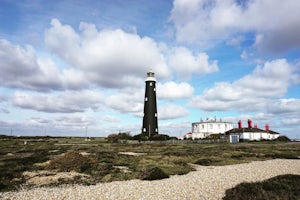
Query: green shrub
{"x": 140, "y": 137}
{"x": 204, "y": 162}
{"x": 119, "y": 136}
{"x": 282, "y": 139}
{"x": 279, "y": 187}
{"x": 154, "y": 173}
{"x": 159, "y": 137}
{"x": 71, "y": 161}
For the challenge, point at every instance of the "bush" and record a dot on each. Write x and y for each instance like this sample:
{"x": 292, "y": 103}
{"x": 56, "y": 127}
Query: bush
{"x": 159, "y": 137}
{"x": 279, "y": 187}
{"x": 282, "y": 139}
{"x": 154, "y": 173}
{"x": 71, "y": 161}
{"x": 204, "y": 162}
{"x": 140, "y": 137}
{"x": 119, "y": 136}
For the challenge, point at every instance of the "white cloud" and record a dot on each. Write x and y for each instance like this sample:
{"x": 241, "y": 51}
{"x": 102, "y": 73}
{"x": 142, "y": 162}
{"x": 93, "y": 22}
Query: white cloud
{"x": 73, "y": 120}
{"x": 171, "y": 111}
{"x": 110, "y": 58}
{"x": 252, "y": 92}
{"x": 20, "y": 68}
{"x": 213, "y": 20}
{"x": 126, "y": 100}
{"x": 235, "y": 41}
{"x": 67, "y": 102}
{"x": 110, "y": 118}
{"x": 291, "y": 121}
{"x": 186, "y": 64}
{"x": 285, "y": 106}
{"x": 172, "y": 90}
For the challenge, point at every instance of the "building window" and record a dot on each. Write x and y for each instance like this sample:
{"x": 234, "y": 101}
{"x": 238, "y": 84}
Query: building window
{"x": 202, "y": 126}
{"x": 146, "y": 98}
{"x": 144, "y": 129}
{"x": 210, "y": 126}
{"x": 154, "y": 89}
{"x": 150, "y": 84}
{"x": 219, "y": 126}
{"x": 156, "y": 130}
{"x": 155, "y": 114}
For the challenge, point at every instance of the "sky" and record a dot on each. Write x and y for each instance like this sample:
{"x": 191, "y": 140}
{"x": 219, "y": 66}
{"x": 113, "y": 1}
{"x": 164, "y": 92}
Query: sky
{"x": 78, "y": 68}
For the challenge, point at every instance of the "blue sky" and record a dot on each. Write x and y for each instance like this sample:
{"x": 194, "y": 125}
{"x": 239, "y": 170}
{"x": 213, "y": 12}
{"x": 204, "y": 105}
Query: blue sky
{"x": 71, "y": 66}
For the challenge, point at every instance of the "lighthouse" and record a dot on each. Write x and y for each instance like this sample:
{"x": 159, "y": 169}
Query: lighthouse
{"x": 150, "y": 126}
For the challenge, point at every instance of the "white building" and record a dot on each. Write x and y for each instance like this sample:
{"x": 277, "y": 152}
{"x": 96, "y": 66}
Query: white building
{"x": 251, "y": 134}
{"x": 205, "y": 128}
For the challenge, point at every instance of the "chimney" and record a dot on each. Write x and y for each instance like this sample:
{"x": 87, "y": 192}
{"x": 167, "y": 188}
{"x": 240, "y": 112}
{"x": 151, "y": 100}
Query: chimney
{"x": 255, "y": 125}
{"x": 267, "y": 127}
{"x": 249, "y": 123}
{"x": 240, "y": 124}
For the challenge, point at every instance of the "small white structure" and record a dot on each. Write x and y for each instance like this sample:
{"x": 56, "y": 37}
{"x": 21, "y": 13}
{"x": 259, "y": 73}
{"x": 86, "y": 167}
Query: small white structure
{"x": 251, "y": 133}
{"x": 204, "y": 129}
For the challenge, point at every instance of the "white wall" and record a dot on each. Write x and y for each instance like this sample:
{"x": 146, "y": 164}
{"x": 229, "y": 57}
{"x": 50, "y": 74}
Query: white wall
{"x": 258, "y": 136}
{"x": 204, "y": 129}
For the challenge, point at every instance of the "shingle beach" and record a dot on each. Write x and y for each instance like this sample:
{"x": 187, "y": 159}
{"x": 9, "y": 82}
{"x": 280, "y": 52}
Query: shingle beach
{"x": 208, "y": 182}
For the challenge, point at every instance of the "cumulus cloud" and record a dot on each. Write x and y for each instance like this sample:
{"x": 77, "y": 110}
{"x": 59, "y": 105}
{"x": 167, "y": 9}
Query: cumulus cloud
{"x": 73, "y": 120}
{"x": 186, "y": 64}
{"x": 67, "y": 102}
{"x": 20, "y": 68}
{"x": 126, "y": 101}
{"x": 285, "y": 106}
{"x": 172, "y": 111}
{"x": 252, "y": 92}
{"x": 206, "y": 20}
{"x": 291, "y": 121}
{"x": 109, "y": 58}
{"x": 172, "y": 90}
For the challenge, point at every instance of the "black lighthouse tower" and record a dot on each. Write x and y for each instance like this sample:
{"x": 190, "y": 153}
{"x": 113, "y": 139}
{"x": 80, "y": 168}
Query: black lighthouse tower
{"x": 150, "y": 126}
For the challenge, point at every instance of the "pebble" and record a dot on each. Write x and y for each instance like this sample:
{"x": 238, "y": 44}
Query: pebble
{"x": 207, "y": 182}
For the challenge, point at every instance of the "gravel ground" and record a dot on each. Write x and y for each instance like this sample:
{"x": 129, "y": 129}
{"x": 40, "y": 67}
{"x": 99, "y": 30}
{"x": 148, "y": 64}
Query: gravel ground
{"x": 205, "y": 183}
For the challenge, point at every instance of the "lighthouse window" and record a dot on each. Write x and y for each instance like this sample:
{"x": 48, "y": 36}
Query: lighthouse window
{"x": 144, "y": 129}
{"x": 154, "y": 89}
{"x": 150, "y": 84}
{"x": 156, "y": 130}
{"x": 155, "y": 114}
{"x": 146, "y": 98}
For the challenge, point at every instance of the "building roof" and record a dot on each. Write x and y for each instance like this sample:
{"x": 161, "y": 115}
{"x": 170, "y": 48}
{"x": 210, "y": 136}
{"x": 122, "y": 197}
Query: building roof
{"x": 212, "y": 121}
{"x": 249, "y": 130}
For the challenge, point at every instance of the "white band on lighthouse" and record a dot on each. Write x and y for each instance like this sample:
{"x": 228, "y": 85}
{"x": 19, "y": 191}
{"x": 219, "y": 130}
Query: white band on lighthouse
{"x": 150, "y": 76}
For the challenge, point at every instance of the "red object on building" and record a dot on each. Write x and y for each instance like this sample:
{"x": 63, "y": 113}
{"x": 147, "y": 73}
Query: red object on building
{"x": 249, "y": 123}
{"x": 240, "y": 124}
{"x": 255, "y": 125}
{"x": 267, "y": 127}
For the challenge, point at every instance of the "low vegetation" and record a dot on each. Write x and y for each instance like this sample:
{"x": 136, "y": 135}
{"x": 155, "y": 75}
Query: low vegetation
{"x": 104, "y": 159}
{"x": 280, "y": 187}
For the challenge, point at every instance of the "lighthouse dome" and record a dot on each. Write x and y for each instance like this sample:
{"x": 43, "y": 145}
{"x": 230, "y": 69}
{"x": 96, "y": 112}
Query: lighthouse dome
{"x": 150, "y": 76}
